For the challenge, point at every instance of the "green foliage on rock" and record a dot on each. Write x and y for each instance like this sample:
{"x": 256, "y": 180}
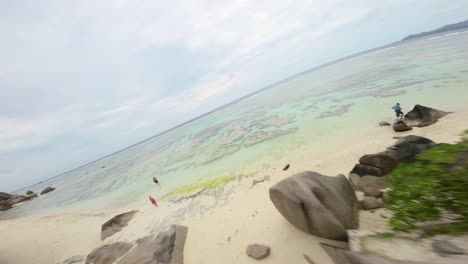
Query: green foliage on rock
{"x": 436, "y": 182}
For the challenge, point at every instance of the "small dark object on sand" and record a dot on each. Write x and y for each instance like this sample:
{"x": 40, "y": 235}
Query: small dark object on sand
{"x": 286, "y": 167}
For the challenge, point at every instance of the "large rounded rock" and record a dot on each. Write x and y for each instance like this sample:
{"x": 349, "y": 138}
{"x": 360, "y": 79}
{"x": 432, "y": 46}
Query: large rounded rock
{"x": 363, "y": 169}
{"x": 316, "y": 204}
{"x": 385, "y": 161}
{"x": 422, "y": 116}
{"x": 17, "y": 199}
{"x": 47, "y": 190}
{"x": 401, "y": 126}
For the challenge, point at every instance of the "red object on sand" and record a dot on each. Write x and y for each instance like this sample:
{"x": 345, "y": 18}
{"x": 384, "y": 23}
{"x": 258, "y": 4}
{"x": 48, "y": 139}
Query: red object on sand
{"x": 153, "y": 201}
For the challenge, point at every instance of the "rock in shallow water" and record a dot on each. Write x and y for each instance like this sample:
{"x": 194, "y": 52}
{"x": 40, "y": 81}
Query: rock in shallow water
{"x": 258, "y": 251}
{"x": 316, "y": 204}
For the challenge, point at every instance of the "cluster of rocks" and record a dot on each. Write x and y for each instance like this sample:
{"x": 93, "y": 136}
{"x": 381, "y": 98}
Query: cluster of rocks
{"x": 7, "y": 200}
{"x": 329, "y": 206}
{"x": 166, "y": 247}
{"x": 420, "y": 116}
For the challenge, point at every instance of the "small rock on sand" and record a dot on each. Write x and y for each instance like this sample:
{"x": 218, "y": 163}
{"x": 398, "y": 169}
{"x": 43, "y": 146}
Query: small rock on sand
{"x": 286, "y": 167}
{"x": 446, "y": 247}
{"x": 47, "y": 190}
{"x": 258, "y": 251}
{"x": 370, "y": 203}
{"x": 384, "y": 123}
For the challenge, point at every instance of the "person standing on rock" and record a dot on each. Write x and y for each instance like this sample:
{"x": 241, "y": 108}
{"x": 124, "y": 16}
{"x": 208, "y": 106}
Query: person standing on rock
{"x": 397, "y": 109}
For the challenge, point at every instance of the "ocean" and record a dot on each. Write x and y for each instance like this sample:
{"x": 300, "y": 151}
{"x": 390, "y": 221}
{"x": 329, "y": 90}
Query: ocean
{"x": 317, "y": 109}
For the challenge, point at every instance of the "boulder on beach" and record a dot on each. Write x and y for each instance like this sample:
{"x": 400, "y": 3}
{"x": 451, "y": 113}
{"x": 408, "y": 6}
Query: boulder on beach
{"x": 165, "y": 248}
{"x": 385, "y": 161}
{"x": 401, "y": 126}
{"x": 258, "y": 251}
{"x": 29, "y": 192}
{"x": 369, "y": 203}
{"x": 444, "y": 247}
{"x": 116, "y": 224}
{"x": 422, "y": 116}
{"x": 407, "y": 148}
{"x": 108, "y": 253}
{"x": 47, "y": 190}
{"x": 316, "y": 204}
{"x": 363, "y": 169}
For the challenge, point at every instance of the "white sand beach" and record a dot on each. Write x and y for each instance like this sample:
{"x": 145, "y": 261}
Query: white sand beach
{"x": 220, "y": 224}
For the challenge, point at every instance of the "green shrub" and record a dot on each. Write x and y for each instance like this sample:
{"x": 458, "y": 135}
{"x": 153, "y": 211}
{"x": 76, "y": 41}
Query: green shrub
{"x": 436, "y": 182}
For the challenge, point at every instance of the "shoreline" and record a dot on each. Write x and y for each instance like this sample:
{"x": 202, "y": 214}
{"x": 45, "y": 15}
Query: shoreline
{"x": 227, "y": 219}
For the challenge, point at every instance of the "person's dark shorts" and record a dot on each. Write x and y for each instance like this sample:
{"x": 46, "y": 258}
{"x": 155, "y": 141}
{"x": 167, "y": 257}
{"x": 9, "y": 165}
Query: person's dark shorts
{"x": 399, "y": 113}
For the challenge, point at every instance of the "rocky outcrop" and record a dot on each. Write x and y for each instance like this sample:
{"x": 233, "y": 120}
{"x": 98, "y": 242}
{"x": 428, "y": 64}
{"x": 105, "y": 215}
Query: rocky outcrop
{"x": 407, "y": 148}
{"x": 404, "y": 150}
{"x": 422, "y": 116}
{"x": 116, "y": 224}
{"x": 47, "y": 190}
{"x": 165, "y": 248}
{"x": 316, "y": 204}
{"x": 401, "y": 126}
{"x": 258, "y": 251}
{"x": 108, "y": 253}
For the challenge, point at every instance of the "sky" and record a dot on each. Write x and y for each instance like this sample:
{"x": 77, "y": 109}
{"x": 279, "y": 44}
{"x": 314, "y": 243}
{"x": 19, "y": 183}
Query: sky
{"x": 82, "y": 79}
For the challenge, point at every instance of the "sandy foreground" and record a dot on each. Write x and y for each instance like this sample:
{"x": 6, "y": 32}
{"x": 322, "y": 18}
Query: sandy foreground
{"x": 221, "y": 223}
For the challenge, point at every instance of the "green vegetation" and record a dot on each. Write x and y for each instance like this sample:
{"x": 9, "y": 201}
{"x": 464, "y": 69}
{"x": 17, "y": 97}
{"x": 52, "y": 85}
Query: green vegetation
{"x": 208, "y": 184}
{"x": 436, "y": 182}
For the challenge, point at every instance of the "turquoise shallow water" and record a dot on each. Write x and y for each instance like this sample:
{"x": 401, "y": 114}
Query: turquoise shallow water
{"x": 302, "y": 113}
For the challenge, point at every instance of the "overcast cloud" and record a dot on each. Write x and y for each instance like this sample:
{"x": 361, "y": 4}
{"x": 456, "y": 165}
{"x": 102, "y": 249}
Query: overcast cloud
{"x": 82, "y": 79}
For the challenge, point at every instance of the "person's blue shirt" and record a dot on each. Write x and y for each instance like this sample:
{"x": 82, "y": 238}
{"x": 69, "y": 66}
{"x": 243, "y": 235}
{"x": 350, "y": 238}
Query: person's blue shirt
{"x": 397, "y": 108}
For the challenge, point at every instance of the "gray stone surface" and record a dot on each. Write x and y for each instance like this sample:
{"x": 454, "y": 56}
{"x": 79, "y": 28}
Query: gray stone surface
{"x": 446, "y": 247}
{"x": 116, "y": 224}
{"x": 385, "y": 161}
{"x": 258, "y": 251}
{"x": 316, "y": 204}
{"x": 108, "y": 253}
{"x": 369, "y": 203}
{"x": 384, "y": 123}
{"x": 422, "y": 116}
{"x": 165, "y": 248}
{"x": 371, "y": 182}
{"x": 354, "y": 179}
{"x": 362, "y": 169}
{"x": 401, "y": 126}
{"x": 376, "y": 193}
